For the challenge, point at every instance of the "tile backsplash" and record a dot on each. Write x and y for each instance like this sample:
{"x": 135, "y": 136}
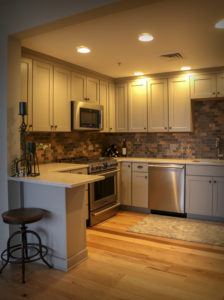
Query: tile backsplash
{"x": 208, "y": 118}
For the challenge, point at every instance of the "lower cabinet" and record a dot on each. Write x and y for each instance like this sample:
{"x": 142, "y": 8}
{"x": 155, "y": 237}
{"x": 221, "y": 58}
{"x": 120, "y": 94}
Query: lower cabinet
{"x": 204, "y": 193}
{"x": 134, "y": 184}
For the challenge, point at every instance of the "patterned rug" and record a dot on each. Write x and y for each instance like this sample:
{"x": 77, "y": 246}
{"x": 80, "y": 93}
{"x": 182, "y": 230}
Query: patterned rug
{"x": 205, "y": 232}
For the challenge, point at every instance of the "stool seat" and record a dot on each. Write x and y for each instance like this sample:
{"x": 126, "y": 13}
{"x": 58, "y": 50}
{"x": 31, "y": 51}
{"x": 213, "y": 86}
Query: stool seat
{"x": 23, "y": 215}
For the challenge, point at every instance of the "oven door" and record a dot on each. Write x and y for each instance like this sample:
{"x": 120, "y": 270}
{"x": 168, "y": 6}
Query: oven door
{"x": 104, "y": 192}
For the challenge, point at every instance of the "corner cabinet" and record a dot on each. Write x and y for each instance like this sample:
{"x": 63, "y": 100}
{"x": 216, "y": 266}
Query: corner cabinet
{"x": 205, "y": 190}
{"x": 208, "y": 85}
{"x": 180, "y": 117}
{"x": 121, "y": 108}
{"x": 137, "y": 104}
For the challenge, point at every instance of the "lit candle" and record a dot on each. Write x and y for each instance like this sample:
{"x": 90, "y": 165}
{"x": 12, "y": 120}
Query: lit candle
{"x": 22, "y": 108}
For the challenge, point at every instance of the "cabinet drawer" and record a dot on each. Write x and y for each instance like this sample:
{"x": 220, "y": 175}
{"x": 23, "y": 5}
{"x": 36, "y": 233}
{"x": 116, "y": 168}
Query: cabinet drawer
{"x": 205, "y": 170}
{"x": 139, "y": 167}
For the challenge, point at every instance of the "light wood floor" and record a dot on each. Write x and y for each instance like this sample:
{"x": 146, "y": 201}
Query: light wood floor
{"x": 123, "y": 265}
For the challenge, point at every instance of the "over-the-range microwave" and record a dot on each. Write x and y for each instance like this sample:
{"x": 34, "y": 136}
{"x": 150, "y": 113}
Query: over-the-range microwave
{"x": 86, "y": 116}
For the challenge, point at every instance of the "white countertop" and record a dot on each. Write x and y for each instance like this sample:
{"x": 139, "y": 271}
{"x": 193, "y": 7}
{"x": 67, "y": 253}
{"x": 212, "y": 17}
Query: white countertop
{"x": 196, "y": 161}
{"x": 54, "y": 174}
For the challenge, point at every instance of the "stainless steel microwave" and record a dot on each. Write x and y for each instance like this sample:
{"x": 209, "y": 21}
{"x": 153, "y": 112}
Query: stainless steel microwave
{"x": 86, "y": 116}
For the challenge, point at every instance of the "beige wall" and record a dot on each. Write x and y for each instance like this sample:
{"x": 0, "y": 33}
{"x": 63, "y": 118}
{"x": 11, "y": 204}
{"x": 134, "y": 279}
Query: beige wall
{"x": 17, "y": 16}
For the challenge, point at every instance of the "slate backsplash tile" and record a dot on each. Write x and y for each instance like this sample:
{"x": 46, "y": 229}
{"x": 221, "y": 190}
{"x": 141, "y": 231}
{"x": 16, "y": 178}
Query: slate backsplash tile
{"x": 208, "y": 118}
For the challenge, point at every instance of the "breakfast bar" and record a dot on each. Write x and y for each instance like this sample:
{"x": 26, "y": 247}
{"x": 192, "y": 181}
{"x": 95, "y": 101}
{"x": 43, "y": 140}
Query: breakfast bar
{"x": 63, "y": 229}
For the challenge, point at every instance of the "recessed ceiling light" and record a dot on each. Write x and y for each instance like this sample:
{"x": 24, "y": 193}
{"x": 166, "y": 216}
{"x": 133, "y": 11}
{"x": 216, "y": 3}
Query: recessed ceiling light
{"x": 220, "y": 24}
{"x": 145, "y": 37}
{"x": 83, "y": 49}
{"x": 185, "y": 68}
{"x": 138, "y": 73}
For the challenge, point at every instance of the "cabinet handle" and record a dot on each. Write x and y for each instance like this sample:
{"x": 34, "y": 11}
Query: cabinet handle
{"x": 214, "y": 181}
{"x": 146, "y": 177}
{"x": 52, "y": 126}
{"x": 111, "y": 128}
{"x": 140, "y": 167}
{"x": 213, "y": 93}
{"x": 56, "y": 126}
{"x": 218, "y": 93}
{"x": 144, "y": 128}
{"x": 170, "y": 127}
{"x": 210, "y": 181}
{"x": 165, "y": 127}
{"x": 129, "y": 166}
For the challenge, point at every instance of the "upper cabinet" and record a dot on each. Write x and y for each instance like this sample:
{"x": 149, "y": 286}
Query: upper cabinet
{"x": 157, "y": 105}
{"x": 84, "y": 88}
{"x": 62, "y": 101}
{"x": 107, "y": 99}
{"x": 42, "y": 96}
{"x": 208, "y": 85}
{"x": 26, "y": 89}
{"x": 121, "y": 108}
{"x": 180, "y": 119}
{"x": 137, "y": 104}
{"x": 51, "y": 98}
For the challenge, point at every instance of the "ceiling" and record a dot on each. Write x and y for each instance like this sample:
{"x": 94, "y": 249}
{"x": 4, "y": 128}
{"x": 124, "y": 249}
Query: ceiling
{"x": 186, "y": 26}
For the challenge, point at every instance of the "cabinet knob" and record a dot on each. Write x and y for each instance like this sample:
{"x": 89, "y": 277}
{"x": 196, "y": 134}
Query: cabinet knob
{"x": 213, "y": 93}
{"x": 140, "y": 167}
{"x": 170, "y": 127}
{"x": 144, "y": 128}
{"x": 210, "y": 181}
{"x": 52, "y": 126}
{"x": 111, "y": 128}
{"x": 218, "y": 93}
{"x": 146, "y": 177}
{"x": 214, "y": 181}
{"x": 56, "y": 126}
{"x": 165, "y": 127}
{"x": 129, "y": 166}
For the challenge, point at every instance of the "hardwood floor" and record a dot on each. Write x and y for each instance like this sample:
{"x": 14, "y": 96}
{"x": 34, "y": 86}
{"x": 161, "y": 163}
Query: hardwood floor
{"x": 124, "y": 265}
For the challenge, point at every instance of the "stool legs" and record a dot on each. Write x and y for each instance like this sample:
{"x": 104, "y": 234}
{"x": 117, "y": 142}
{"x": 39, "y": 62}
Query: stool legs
{"x": 24, "y": 247}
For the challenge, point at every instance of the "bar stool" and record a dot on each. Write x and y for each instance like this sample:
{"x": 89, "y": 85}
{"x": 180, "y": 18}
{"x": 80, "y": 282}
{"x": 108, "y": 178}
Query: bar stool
{"x": 29, "y": 252}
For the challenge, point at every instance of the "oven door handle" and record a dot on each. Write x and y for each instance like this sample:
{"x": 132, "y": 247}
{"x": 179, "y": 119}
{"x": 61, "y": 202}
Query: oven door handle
{"x": 106, "y": 209}
{"x": 107, "y": 173}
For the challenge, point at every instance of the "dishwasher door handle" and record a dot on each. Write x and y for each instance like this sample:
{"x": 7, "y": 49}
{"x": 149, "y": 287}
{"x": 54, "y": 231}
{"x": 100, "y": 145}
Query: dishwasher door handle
{"x": 166, "y": 166}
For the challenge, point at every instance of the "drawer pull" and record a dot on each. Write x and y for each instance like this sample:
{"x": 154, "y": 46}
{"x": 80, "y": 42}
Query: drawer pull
{"x": 140, "y": 167}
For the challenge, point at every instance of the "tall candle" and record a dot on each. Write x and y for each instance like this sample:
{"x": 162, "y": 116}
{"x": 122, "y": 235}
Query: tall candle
{"x": 22, "y": 108}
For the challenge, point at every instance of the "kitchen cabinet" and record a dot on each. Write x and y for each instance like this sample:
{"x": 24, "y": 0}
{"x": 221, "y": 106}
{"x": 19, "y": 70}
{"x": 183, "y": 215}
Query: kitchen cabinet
{"x": 140, "y": 185}
{"x": 121, "y": 108}
{"x": 42, "y": 96}
{"x": 205, "y": 190}
{"x": 61, "y": 100}
{"x": 125, "y": 183}
{"x": 158, "y": 105}
{"x": 208, "y": 85}
{"x": 107, "y": 99}
{"x": 26, "y": 89}
{"x": 180, "y": 118}
{"x": 84, "y": 88}
{"x": 137, "y": 106}
{"x": 51, "y": 98}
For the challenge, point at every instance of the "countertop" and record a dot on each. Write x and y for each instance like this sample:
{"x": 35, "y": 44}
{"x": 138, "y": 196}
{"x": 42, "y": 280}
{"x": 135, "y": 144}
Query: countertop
{"x": 55, "y": 174}
{"x": 196, "y": 161}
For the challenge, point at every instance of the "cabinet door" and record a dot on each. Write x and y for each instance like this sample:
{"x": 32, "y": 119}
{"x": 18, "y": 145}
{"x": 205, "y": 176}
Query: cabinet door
{"x": 157, "y": 106}
{"x": 92, "y": 90}
{"x": 218, "y": 196}
{"x": 179, "y": 104}
{"x": 62, "y": 102}
{"x": 111, "y": 107}
{"x": 42, "y": 96}
{"x": 220, "y": 85}
{"x": 199, "y": 195}
{"x": 125, "y": 184}
{"x": 26, "y": 89}
{"x": 203, "y": 86}
{"x": 78, "y": 87}
{"x": 137, "y": 104}
{"x": 104, "y": 101}
{"x": 121, "y": 108}
{"x": 140, "y": 189}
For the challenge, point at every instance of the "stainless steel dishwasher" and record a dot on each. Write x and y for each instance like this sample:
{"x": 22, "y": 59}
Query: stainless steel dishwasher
{"x": 166, "y": 187}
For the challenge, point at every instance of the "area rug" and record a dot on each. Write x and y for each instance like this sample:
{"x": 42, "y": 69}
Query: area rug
{"x": 205, "y": 232}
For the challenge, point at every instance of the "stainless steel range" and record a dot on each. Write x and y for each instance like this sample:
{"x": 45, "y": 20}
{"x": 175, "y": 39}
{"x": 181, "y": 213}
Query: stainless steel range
{"x": 102, "y": 194}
